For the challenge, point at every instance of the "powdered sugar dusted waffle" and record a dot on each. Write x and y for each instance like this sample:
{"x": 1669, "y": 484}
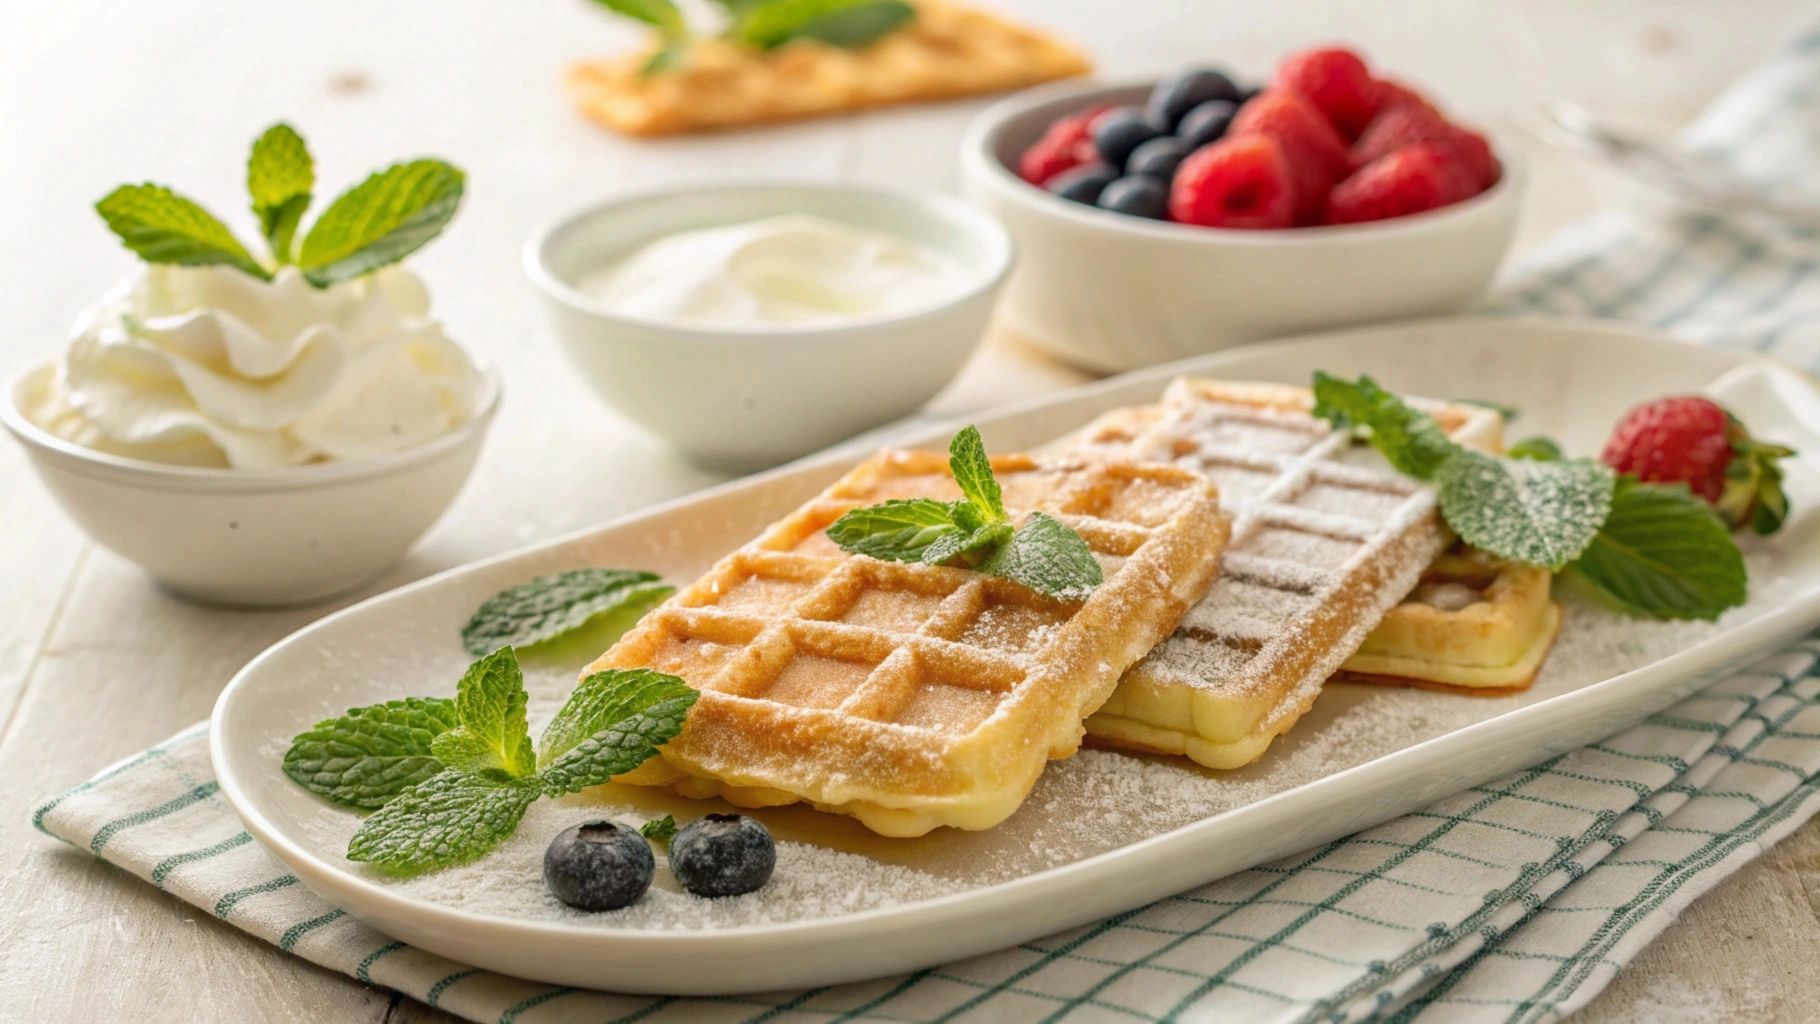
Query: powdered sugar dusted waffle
{"x": 1475, "y": 624}
{"x": 909, "y": 695}
{"x": 1326, "y": 537}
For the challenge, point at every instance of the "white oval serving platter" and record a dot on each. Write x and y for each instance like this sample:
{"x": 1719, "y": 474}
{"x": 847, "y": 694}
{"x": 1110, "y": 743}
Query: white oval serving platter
{"x": 1103, "y": 832}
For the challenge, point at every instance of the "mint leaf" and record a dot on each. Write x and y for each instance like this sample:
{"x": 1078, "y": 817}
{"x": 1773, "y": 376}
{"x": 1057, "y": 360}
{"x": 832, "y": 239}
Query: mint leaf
{"x": 662, "y": 15}
{"x": 380, "y": 221}
{"x": 451, "y": 818}
{"x": 1413, "y": 442}
{"x": 1664, "y": 552}
{"x": 900, "y": 530}
{"x": 1542, "y": 513}
{"x": 613, "y": 722}
{"x": 666, "y": 58}
{"x": 279, "y": 176}
{"x": 973, "y": 472}
{"x": 371, "y": 754}
{"x": 837, "y": 22}
{"x": 1048, "y": 557}
{"x": 659, "y": 829}
{"x": 968, "y": 545}
{"x": 164, "y": 227}
{"x": 490, "y": 701}
{"x": 551, "y": 606}
{"x": 1536, "y": 449}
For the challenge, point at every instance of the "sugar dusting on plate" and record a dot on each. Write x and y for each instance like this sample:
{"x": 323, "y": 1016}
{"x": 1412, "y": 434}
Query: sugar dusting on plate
{"x": 1096, "y": 801}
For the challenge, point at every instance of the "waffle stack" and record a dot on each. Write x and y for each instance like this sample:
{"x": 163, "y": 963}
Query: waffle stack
{"x": 908, "y": 695}
{"x": 1475, "y": 624}
{"x": 1326, "y": 538}
{"x": 944, "y": 52}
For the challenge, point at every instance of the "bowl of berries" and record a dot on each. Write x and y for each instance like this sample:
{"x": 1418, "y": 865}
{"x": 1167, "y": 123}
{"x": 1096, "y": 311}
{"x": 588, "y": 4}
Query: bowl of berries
{"x": 1160, "y": 220}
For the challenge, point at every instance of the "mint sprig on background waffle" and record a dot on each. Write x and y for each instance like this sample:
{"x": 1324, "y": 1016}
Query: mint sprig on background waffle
{"x": 767, "y": 24}
{"x": 1648, "y": 549}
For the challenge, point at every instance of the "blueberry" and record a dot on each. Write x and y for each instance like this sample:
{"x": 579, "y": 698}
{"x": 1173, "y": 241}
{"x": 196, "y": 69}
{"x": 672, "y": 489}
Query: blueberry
{"x": 1206, "y": 123}
{"x": 1139, "y": 195}
{"x": 1158, "y": 158}
{"x": 1122, "y": 131}
{"x": 1083, "y": 184}
{"x": 1174, "y": 97}
{"x": 722, "y": 855}
{"x": 598, "y": 865}
{"x": 1247, "y": 95}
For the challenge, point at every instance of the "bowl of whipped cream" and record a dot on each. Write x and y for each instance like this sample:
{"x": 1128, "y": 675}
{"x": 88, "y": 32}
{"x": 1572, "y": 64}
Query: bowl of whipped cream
{"x": 749, "y": 324}
{"x": 255, "y": 442}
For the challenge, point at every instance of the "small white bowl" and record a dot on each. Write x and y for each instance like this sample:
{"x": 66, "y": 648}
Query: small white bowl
{"x": 1114, "y": 292}
{"x": 257, "y": 538}
{"x": 745, "y": 399}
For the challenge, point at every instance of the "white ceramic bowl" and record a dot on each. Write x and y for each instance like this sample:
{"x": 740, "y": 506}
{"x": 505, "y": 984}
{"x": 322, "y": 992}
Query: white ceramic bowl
{"x": 254, "y": 537}
{"x": 750, "y": 398}
{"x": 1114, "y": 292}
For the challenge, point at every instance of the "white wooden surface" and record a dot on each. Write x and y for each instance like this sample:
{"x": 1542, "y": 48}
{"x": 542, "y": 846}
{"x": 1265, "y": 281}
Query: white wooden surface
{"x": 96, "y": 663}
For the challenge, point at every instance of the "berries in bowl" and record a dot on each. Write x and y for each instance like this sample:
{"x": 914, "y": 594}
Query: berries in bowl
{"x": 1165, "y": 219}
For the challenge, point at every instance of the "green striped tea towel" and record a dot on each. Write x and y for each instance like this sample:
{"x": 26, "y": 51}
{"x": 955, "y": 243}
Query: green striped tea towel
{"x": 1515, "y": 901}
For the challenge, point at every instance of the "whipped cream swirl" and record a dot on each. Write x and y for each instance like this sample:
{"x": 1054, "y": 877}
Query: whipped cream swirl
{"x": 208, "y": 366}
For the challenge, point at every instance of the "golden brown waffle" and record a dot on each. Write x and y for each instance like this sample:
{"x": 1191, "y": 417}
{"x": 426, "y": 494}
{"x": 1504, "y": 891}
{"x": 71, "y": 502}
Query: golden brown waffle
{"x": 1475, "y": 624}
{"x": 907, "y": 695}
{"x": 1326, "y": 537}
{"x": 944, "y": 52}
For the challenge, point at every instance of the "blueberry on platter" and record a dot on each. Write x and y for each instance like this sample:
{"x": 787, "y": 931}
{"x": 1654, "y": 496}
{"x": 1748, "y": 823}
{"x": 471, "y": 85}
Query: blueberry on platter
{"x": 1120, "y": 132}
{"x": 598, "y": 865}
{"x": 1083, "y": 184}
{"x": 722, "y": 855}
{"x": 1174, "y": 97}
{"x": 1138, "y": 195}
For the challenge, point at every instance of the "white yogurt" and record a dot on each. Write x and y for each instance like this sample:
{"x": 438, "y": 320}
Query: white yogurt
{"x": 209, "y": 366}
{"x": 786, "y": 271}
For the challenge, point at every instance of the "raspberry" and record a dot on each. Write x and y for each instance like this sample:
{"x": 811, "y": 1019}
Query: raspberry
{"x": 1337, "y": 82}
{"x": 1238, "y": 182}
{"x": 1316, "y": 155}
{"x": 1408, "y": 124}
{"x": 1410, "y": 180}
{"x": 1065, "y": 145}
{"x": 1688, "y": 439}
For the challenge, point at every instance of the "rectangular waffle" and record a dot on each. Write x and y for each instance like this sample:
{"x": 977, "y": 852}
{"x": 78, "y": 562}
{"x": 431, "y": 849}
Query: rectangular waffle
{"x": 1475, "y": 624}
{"x": 1326, "y": 537}
{"x": 942, "y": 53}
{"x": 909, "y": 695}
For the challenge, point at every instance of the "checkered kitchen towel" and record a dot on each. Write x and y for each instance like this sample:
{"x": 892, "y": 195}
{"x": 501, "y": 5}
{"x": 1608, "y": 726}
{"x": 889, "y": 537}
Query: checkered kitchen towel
{"x": 1515, "y": 901}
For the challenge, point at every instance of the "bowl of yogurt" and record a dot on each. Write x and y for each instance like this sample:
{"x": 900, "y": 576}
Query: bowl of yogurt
{"x": 254, "y": 442}
{"x": 749, "y": 324}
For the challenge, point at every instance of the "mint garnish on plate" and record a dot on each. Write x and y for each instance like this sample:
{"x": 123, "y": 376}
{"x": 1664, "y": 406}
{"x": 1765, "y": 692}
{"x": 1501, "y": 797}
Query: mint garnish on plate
{"x": 767, "y": 24}
{"x": 1651, "y": 549}
{"x": 449, "y": 780}
{"x": 1042, "y": 554}
{"x": 550, "y": 607}
{"x": 660, "y": 830}
{"x": 380, "y": 221}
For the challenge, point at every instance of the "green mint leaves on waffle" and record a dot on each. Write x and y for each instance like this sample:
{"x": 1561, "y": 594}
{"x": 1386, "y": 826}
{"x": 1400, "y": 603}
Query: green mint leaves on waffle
{"x": 975, "y": 532}
{"x": 370, "y": 755}
{"x": 448, "y": 780}
{"x": 554, "y": 606}
{"x": 766, "y": 24}
{"x": 385, "y": 218}
{"x": 1648, "y": 549}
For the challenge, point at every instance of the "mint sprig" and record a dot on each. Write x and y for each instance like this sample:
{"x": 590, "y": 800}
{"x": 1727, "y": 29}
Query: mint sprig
{"x": 767, "y": 24}
{"x": 660, "y": 830}
{"x": 550, "y": 607}
{"x": 1043, "y": 554}
{"x": 382, "y": 220}
{"x": 1648, "y": 549}
{"x": 449, "y": 780}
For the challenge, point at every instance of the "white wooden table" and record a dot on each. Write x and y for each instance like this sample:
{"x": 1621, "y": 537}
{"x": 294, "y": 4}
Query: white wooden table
{"x": 96, "y": 663}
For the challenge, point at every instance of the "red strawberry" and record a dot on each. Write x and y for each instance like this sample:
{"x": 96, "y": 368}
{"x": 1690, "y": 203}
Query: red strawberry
{"x": 1316, "y": 155}
{"x": 1065, "y": 145}
{"x": 1693, "y": 440}
{"x": 1337, "y": 82}
{"x": 1392, "y": 93}
{"x": 1240, "y": 182}
{"x": 1407, "y": 124}
{"x": 1410, "y": 180}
